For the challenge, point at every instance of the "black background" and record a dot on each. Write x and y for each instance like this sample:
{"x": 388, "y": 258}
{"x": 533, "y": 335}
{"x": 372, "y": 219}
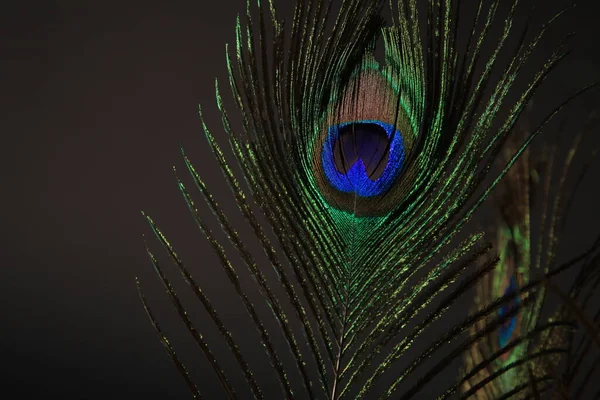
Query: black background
{"x": 96, "y": 98}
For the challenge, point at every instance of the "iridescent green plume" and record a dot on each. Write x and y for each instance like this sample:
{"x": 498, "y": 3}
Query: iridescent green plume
{"x": 366, "y": 169}
{"x": 504, "y": 347}
{"x": 525, "y": 350}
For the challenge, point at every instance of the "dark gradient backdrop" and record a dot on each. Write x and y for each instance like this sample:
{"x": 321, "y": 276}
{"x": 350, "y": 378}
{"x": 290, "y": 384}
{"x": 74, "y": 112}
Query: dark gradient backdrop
{"x": 96, "y": 97}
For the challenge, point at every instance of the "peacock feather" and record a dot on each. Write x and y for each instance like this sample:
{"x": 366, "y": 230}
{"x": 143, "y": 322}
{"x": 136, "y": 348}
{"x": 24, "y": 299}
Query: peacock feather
{"x": 365, "y": 148}
{"x": 513, "y": 243}
{"x": 524, "y": 347}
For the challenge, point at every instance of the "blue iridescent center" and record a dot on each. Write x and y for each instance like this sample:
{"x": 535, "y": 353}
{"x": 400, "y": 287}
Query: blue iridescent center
{"x": 508, "y": 327}
{"x": 364, "y": 157}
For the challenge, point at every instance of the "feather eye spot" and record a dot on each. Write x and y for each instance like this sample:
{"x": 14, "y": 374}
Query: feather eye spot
{"x": 363, "y": 157}
{"x": 509, "y": 326}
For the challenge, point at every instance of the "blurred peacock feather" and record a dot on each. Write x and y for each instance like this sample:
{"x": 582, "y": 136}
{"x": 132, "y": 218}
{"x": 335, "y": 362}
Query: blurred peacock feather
{"x": 524, "y": 347}
{"x": 366, "y": 170}
{"x": 513, "y": 242}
